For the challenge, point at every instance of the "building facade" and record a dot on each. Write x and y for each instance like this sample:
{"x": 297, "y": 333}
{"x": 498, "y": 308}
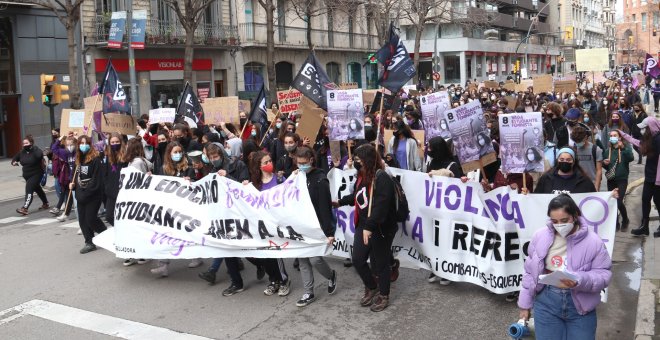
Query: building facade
{"x": 466, "y": 51}
{"x": 230, "y": 48}
{"x": 637, "y": 33}
{"x": 32, "y": 41}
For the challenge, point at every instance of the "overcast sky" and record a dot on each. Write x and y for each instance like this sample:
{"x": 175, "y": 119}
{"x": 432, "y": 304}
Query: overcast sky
{"x": 619, "y": 10}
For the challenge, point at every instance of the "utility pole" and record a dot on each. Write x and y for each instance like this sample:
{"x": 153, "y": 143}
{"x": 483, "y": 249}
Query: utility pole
{"x": 135, "y": 100}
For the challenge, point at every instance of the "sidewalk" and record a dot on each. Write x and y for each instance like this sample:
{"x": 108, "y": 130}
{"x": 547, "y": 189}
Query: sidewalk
{"x": 12, "y": 184}
{"x": 648, "y": 305}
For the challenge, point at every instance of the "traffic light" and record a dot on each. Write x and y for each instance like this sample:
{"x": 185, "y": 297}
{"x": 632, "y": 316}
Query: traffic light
{"x": 47, "y": 88}
{"x": 59, "y": 94}
{"x": 630, "y": 40}
{"x": 569, "y": 32}
{"x": 517, "y": 66}
{"x": 372, "y": 58}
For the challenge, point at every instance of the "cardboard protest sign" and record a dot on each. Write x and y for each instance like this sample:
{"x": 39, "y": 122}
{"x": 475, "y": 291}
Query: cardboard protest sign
{"x": 542, "y": 84}
{"x": 521, "y": 142}
{"x": 471, "y": 139}
{"x": 90, "y": 102}
{"x": 368, "y": 96}
{"x": 244, "y": 105}
{"x": 565, "y": 86}
{"x": 310, "y": 120}
{"x": 510, "y": 86}
{"x": 75, "y": 121}
{"x": 593, "y": 59}
{"x": 345, "y": 114}
{"x": 524, "y": 85}
{"x": 335, "y": 151}
{"x": 221, "y": 109}
{"x": 511, "y": 102}
{"x": 434, "y": 106}
{"x": 452, "y": 230}
{"x": 348, "y": 86}
{"x": 120, "y": 123}
{"x": 491, "y": 84}
{"x": 288, "y": 101}
{"x": 162, "y": 115}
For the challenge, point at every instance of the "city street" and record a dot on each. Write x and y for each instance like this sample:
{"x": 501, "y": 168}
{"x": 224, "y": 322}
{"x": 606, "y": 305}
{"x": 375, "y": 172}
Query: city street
{"x": 94, "y": 297}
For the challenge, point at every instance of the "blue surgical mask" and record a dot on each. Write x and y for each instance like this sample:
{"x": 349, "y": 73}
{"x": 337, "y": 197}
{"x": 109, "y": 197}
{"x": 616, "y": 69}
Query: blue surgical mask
{"x": 579, "y": 145}
{"x": 305, "y": 167}
{"x": 278, "y": 125}
{"x": 586, "y": 119}
{"x": 205, "y": 159}
{"x": 84, "y": 148}
{"x": 614, "y": 140}
{"x": 253, "y": 133}
{"x": 177, "y": 156}
{"x": 223, "y": 134}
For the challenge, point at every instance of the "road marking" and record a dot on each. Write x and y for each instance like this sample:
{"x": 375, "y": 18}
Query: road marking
{"x": 91, "y": 321}
{"x": 12, "y": 219}
{"x": 73, "y": 224}
{"x": 42, "y": 221}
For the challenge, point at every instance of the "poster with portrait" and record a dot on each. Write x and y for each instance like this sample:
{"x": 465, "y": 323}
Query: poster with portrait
{"x": 521, "y": 142}
{"x": 434, "y": 106}
{"x": 345, "y": 114}
{"x": 472, "y": 141}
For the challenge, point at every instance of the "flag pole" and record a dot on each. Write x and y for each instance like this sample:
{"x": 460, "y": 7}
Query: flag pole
{"x": 380, "y": 117}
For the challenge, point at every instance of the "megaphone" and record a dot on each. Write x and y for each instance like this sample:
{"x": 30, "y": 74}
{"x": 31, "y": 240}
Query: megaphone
{"x": 521, "y": 329}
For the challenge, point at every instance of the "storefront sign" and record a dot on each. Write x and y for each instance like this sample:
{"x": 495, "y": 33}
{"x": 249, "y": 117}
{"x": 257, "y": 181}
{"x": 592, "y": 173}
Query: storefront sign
{"x": 121, "y": 65}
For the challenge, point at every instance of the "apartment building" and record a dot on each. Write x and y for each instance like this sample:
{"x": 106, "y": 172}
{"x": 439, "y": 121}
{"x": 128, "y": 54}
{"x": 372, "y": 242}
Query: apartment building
{"x": 230, "y": 47}
{"x": 637, "y": 33}
{"x": 465, "y": 51}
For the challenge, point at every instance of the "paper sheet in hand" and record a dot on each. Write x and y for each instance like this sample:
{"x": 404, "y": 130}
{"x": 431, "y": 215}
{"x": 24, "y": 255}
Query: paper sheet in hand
{"x": 554, "y": 278}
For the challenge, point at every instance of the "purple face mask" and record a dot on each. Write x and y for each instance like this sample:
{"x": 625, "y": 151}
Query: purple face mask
{"x": 115, "y": 147}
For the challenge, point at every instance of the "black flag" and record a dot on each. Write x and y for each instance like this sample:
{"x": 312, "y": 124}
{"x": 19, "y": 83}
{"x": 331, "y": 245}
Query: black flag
{"x": 399, "y": 68}
{"x": 259, "y": 115}
{"x": 114, "y": 97}
{"x": 313, "y": 82}
{"x": 190, "y": 109}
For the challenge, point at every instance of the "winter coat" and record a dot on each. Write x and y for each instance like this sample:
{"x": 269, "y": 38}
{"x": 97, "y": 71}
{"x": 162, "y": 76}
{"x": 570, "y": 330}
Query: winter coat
{"x": 414, "y": 161}
{"x": 319, "y": 192}
{"x": 383, "y": 206}
{"x": 586, "y": 257}
{"x": 551, "y": 183}
{"x": 622, "y": 167}
{"x": 32, "y": 161}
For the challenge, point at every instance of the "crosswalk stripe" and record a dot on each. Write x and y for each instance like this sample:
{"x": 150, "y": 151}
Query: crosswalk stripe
{"x": 91, "y": 321}
{"x": 41, "y": 221}
{"x": 73, "y": 224}
{"x": 12, "y": 219}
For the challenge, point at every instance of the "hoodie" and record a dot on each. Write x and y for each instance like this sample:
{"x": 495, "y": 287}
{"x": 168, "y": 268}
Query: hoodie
{"x": 652, "y": 166}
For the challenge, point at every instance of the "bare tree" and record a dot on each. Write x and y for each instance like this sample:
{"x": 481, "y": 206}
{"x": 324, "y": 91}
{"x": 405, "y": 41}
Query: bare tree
{"x": 190, "y": 14}
{"x": 68, "y": 13}
{"x": 382, "y": 11}
{"x": 306, "y": 10}
{"x": 420, "y": 13}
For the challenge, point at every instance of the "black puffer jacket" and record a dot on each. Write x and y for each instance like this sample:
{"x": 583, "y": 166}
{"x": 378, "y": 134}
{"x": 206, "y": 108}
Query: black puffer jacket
{"x": 31, "y": 160}
{"x": 319, "y": 192}
{"x": 383, "y": 207}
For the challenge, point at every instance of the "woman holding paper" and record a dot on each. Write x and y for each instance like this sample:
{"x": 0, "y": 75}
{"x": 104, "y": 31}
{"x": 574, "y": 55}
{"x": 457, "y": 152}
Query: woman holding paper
{"x": 575, "y": 266}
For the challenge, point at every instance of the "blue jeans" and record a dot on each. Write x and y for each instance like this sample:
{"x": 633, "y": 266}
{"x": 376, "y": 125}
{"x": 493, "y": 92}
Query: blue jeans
{"x": 555, "y": 317}
{"x": 215, "y": 265}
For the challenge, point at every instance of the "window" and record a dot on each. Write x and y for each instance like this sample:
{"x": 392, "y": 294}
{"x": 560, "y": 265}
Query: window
{"x": 655, "y": 19}
{"x": 108, "y": 6}
{"x": 332, "y": 69}
{"x": 634, "y": 18}
{"x": 452, "y": 68}
{"x": 281, "y": 20}
{"x": 283, "y": 75}
{"x": 355, "y": 74}
{"x": 253, "y": 76}
{"x": 644, "y": 19}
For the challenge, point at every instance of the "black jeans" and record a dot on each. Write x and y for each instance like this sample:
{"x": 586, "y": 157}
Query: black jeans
{"x": 656, "y": 99}
{"x": 379, "y": 251}
{"x": 110, "y": 209}
{"x": 622, "y": 185}
{"x": 88, "y": 218}
{"x": 273, "y": 267}
{"x": 32, "y": 185}
{"x": 649, "y": 191}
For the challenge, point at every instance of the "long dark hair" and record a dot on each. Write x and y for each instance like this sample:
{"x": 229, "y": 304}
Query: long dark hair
{"x": 401, "y": 129}
{"x": 565, "y": 202}
{"x": 115, "y": 157}
{"x": 371, "y": 162}
{"x": 439, "y": 150}
{"x": 646, "y": 145}
{"x": 255, "y": 168}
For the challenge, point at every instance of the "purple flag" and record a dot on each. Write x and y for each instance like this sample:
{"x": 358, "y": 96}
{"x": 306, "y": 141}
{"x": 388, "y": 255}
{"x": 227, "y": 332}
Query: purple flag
{"x": 95, "y": 90}
{"x": 651, "y": 66}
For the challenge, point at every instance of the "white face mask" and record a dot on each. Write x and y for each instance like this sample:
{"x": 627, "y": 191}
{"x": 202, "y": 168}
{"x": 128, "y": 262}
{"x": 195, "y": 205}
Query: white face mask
{"x": 563, "y": 229}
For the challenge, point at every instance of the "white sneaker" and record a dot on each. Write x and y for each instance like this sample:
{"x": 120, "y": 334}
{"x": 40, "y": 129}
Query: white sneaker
{"x": 195, "y": 263}
{"x": 62, "y": 217}
{"x": 129, "y": 262}
{"x": 142, "y": 261}
{"x": 79, "y": 232}
{"x": 161, "y": 270}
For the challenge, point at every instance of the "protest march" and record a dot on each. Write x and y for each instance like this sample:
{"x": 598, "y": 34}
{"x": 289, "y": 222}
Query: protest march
{"x": 510, "y": 188}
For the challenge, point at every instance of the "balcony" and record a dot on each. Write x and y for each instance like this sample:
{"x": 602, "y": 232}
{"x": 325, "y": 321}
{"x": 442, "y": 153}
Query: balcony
{"x": 543, "y": 27}
{"x": 168, "y": 33}
{"x": 503, "y": 20}
{"x": 522, "y": 23}
{"x": 526, "y": 4}
{"x": 296, "y": 37}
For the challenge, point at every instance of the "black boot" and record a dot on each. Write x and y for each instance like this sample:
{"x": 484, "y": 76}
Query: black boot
{"x": 624, "y": 224}
{"x": 656, "y": 233}
{"x": 642, "y": 230}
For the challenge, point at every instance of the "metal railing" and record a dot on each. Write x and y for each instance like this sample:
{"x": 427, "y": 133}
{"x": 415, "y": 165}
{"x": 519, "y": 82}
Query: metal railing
{"x": 171, "y": 32}
{"x": 297, "y": 36}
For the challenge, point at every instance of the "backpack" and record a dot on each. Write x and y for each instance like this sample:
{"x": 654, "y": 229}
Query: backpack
{"x": 401, "y": 208}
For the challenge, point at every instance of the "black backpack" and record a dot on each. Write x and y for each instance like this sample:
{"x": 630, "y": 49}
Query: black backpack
{"x": 401, "y": 208}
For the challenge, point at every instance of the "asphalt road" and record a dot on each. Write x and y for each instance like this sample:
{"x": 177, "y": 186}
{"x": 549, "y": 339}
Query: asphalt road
{"x": 39, "y": 260}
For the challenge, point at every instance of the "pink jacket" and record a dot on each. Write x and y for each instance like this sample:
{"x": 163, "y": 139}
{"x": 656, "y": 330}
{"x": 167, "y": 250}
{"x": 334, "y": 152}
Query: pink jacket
{"x": 587, "y": 258}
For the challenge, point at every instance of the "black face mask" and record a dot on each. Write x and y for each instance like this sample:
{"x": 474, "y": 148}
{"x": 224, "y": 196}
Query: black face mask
{"x": 162, "y": 146}
{"x": 571, "y": 123}
{"x": 357, "y": 165}
{"x": 27, "y": 147}
{"x": 564, "y": 166}
{"x": 243, "y": 121}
